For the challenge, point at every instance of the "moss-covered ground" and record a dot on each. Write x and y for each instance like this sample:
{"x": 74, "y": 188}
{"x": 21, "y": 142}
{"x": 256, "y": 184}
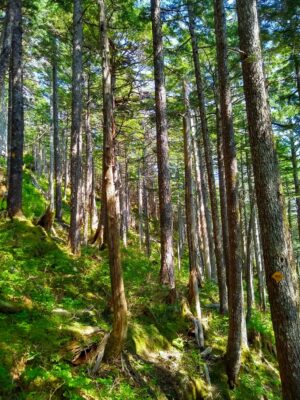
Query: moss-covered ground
{"x": 60, "y": 302}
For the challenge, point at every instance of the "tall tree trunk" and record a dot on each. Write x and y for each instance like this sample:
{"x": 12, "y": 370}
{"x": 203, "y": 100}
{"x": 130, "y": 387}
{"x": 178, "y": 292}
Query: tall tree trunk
{"x": 88, "y": 165}
{"x": 259, "y": 263}
{"x": 279, "y": 264}
{"x": 140, "y": 207}
{"x": 190, "y": 212}
{"x": 76, "y": 173}
{"x": 146, "y": 220}
{"x": 201, "y": 210}
{"x": 233, "y": 354}
{"x": 208, "y": 218}
{"x": 14, "y": 197}
{"x": 123, "y": 211}
{"x": 56, "y": 140}
{"x": 9, "y": 120}
{"x": 166, "y": 220}
{"x": 51, "y": 169}
{"x": 210, "y": 172}
{"x": 6, "y": 40}
{"x": 222, "y": 193}
{"x": 119, "y": 330}
{"x": 296, "y": 180}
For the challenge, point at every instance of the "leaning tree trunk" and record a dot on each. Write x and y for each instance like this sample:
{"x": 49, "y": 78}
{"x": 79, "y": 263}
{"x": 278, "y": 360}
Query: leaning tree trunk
{"x": 279, "y": 264}
{"x": 221, "y": 273}
{"x": 166, "y": 220}
{"x": 76, "y": 129}
{"x": 235, "y": 300}
{"x": 14, "y": 197}
{"x": 119, "y": 330}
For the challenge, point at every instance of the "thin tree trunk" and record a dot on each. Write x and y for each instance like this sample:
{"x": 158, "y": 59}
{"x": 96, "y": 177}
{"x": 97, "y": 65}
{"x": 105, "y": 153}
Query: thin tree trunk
{"x": 166, "y": 220}
{"x": 190, "y": 212}
{"x": 201, "y": 210}
{"x": 221, "y": 273}
{"x": 76, "y": 173}
{"x": 140, "y": 207}
{"x": 259, "y": 263}
{"x": 208, "y": 219}
{"x": 119, "y": 329}
{"x": 88, "y": 165}
{"x": 296, "y": 180}
{"x": 56, "y": 140}
{"x": 14, "y": 197}
{"x": 123, "y": 211}
{"x": 51, "y": 170}
{"x": 279, "y": 264}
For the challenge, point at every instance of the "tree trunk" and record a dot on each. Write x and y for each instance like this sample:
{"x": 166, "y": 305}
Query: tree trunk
{"x": 201, "y": 209}
{"x": 89, "y": 170}
{"x": 56, "y": 140}
{"x": 14, "y": 197}
{"x": 210, "y": 172}
{"x": 76, "y": 173}
{"x": 259, "y": 263}
{"x": 190, "y": 211}
{"x": 166, "y": 220}
{"x": 233, "y": 353}
{"x": 6, "y": 40}
{"x": 119, "y": 330}
{"x": 123, "y": 211}
{"x": 296, "y": 180}
{"x": 140, "y": 207}
{"x": 279, "y": 264}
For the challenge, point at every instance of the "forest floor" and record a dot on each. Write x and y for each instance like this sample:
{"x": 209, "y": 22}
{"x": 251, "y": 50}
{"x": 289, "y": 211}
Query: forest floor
{"x": 55, "y": 309}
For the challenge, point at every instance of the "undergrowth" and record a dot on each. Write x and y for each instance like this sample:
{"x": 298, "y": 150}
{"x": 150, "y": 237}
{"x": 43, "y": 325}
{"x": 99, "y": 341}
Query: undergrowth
{"x": 58, "y": 299}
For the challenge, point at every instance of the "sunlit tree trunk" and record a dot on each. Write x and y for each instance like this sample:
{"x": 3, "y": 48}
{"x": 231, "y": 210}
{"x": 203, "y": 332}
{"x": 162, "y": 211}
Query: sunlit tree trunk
{"x": 235, "y": 300}
{"x": 281, "y": 281}
{"x": 119, "y": 330}
{"x": 221, "y": 274}
{"x": 166, "y": 219}
{"x": 190, "y": 211}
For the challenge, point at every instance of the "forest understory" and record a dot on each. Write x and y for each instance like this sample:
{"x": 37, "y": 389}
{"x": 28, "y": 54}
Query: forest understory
{"x": 55, "y": 308}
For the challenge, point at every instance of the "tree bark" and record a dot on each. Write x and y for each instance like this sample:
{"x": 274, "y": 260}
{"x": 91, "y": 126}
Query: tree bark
{"x": 56, "y": 140}
{"x": 166, "y": 220}
{"x": 76, "y": 173}
{"x": 190, "y": 212}
{"x": 210, "y": 172}
{"x": 14, "y": 197}
{"x": 201, "y": 209}
{"x": 119, "y": 329}
{"x": 89, "y": 170}
{"x": 282, "y": 287}
{"x": 6, "y": 40}
{"x": 235, "y": 299}
{"x": 296, "y": 179}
